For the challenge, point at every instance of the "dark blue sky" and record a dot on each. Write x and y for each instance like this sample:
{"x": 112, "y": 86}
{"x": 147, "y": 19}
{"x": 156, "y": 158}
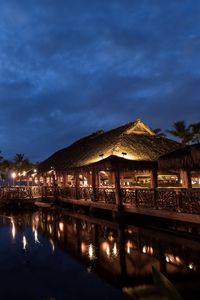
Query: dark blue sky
{"x": 68, "y": 68}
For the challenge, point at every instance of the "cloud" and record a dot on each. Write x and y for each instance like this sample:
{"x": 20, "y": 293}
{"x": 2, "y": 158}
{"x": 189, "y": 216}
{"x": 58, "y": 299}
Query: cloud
{"x": 70, "y": 68}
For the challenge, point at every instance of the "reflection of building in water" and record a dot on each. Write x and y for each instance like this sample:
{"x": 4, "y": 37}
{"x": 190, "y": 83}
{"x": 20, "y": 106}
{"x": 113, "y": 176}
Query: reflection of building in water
{"x": 121, "y": 254}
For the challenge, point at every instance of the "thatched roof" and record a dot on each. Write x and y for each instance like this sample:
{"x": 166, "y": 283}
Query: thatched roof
{"x": 134, "y": 141}
{"x": 114, "y": 162}
{"x": 186, "y": 158}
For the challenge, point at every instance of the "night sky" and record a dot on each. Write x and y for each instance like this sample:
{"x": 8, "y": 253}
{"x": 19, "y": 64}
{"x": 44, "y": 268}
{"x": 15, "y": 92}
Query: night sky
{"x": 69, "y": 68}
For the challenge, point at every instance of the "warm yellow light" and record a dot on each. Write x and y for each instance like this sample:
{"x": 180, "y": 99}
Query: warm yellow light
{"x": 37, "y": 219}
{"x": 36, "y": 236}
{"x": 91, "y": 252}
{"x": 24, "y": 173}
{"x": 115, "y": 249}
{"x": 61, "y": 226}
{"x": 83, "y": 248}
{"x": 13, "y": 229}
{"x": 13, "y": 175}
{"x": 52, "y": 244}
{"x": 191, "y": 266}
{"x": 50, "y": 229}
{"x": 129, "y": 245}
{"x": 147, "y": 249}
{"x": 24, "y": 241}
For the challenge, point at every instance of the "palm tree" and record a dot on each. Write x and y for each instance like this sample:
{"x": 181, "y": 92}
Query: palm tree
{"x": 182, "y": 132}
{"x": 21, "y": 163}
{"x": 18, "y": 161}
{"x": 195, "y": 130}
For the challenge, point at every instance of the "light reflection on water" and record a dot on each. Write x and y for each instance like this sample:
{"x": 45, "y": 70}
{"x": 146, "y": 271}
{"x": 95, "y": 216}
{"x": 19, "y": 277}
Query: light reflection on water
{"x": 121, "y": 254}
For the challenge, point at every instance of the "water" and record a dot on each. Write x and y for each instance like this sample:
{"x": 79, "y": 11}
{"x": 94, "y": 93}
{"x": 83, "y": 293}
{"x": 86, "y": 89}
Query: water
{"x": 61, "y": 255}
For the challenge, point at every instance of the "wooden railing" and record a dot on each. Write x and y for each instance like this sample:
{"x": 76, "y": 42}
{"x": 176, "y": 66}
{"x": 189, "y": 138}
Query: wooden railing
{"x": 170, "y": 199}
{"x": 15, "y": 193}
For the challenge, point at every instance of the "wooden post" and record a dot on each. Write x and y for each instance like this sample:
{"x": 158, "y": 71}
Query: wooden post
{"x": 118, "y": 195}
{"x": 64, "y": 179}
{"x": 94, "y": 185}
{"x": 154, "y": 179}
{"x": 77, "y": 184}
{"x": 186, "y": 179}
{"x": 44, "y": 180}
{"x": 111, "y": 179}
{"x": 179, "y": 200}
{"x": 154, "y": 185}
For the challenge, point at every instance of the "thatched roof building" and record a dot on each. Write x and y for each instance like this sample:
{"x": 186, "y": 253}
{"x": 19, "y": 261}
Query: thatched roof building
{"x": 133, "y": 141}
{"x": 185, "y": 158}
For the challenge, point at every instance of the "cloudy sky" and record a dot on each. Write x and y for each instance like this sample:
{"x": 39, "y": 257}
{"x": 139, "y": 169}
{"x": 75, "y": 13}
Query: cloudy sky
{"x": 69, "y": 68}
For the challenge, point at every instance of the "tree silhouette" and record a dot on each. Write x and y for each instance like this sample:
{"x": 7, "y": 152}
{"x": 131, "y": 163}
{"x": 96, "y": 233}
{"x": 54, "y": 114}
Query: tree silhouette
{"x": 182, "y": 132}
{"x": 195, "y": 131}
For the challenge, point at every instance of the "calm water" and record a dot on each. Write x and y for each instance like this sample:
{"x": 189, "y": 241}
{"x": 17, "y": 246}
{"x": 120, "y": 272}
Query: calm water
{"x": 60, "y": 255}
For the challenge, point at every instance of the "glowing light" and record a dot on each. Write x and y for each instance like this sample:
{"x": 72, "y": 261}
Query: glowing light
{"x": 61, "y": 226}
{"x": 108, "y": 251}
{"x": 25, "y": 244}
{"x": 50, "y": 229}
{"x": 129, "y": 245}
{"x": 37, "y": 219}
{"x": 83, "y": 248}
{"x": 110, "y": 237}
{"x": 104, "y": 245}
{"x": 173, "y": 259}
{"x": 24, "y": 173}
{"x": 115, "y": 249}
{"x": 36, "y": 236}
{"x": 52, "y": 244}
{"x": 13, "y": 175}
{"x": 148, "y": 250}
{"x": 58, "y": 233}
{"x": 191, "y": 266}
{"x": 13, "y": 229}
{"x": 91, "y": 252}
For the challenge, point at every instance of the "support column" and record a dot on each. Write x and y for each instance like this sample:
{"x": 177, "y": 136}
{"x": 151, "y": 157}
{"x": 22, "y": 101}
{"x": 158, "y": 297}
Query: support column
{"x": 154, "y": 179}
{"x": 154, "y": 185}
{"x": 53, "y": 178}
{"x": 44, "y": 180}
{"x": 77, "y": 184}
{"x": 58, "y": 178}
{"x": 186, "y": 179}
{"x": 111, "y": 179}
{"x": 64, "y": 179}
{"x": 94, "y": 184}
{"x": 118, "y": 195}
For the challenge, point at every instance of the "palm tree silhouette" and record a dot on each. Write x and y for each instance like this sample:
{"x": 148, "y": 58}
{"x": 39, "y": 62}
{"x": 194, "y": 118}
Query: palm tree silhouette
{"x": 182, "y": 132}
